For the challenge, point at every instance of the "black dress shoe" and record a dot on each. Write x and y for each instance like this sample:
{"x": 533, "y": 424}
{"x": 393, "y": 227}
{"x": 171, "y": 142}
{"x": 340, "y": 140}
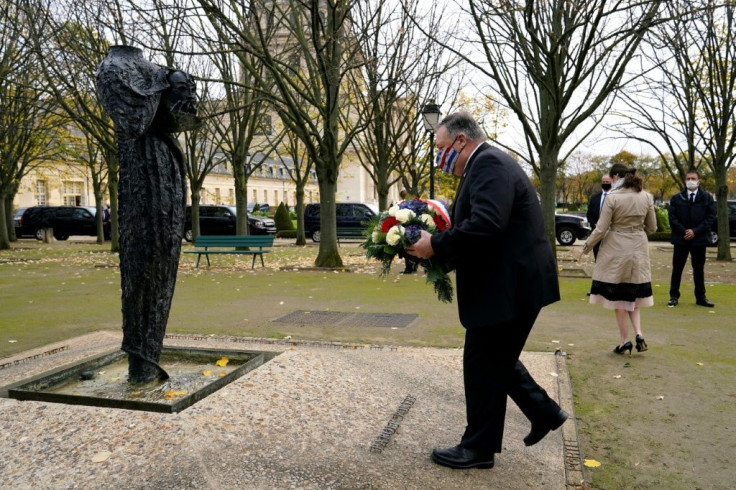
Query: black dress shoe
{"x": 704, "y": 302}
{"x": 539, "y": 432}
{"x": 672, "y": 302}
{"x": 462, "y": 458}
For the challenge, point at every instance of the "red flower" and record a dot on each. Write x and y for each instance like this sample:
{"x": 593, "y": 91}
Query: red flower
{"x": 388, "y": 223}
{"x": 439, "y": 223}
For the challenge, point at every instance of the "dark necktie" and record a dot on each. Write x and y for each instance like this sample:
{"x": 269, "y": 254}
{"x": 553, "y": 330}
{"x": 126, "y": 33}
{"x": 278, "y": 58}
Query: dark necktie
{"x": 603, "y": 199}
{"x": 692, "y": 197}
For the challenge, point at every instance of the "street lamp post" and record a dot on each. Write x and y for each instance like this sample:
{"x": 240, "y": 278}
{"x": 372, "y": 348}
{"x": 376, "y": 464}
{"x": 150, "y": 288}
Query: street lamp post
{"x": 431, "y": 117}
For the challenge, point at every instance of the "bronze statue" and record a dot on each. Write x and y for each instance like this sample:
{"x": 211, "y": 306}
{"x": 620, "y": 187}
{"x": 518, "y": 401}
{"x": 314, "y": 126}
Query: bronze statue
{"x": 147, "y": 103}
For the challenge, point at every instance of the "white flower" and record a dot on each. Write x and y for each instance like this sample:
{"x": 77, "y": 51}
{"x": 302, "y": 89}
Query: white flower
{"x": 404, "y": 215}
{"x": 377, "y": 235}
{"x": 394, "y": 235}
{"x": 393, "y": 210}
{"x": 428, "y": 220}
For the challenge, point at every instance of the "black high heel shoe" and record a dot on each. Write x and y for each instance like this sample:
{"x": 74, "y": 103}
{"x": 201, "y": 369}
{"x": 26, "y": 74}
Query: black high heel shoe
{"x": 641, "y": 344}
{"x": 620, "y": 349}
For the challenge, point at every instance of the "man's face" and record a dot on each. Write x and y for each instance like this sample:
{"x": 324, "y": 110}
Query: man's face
{"x": 443, "y": 141}
{"x": 606, "y": 180}
{"x": 182, "y": 95}
{"x": 179, "y": 102}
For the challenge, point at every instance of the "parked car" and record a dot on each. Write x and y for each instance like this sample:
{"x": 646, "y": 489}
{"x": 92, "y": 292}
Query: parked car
{"x": 65, "y": 221}
{"x": 220, "y": 220}
{"x": 348, "y": 215}
{"x": 569, "y": 227}
{"x": 19, "y": 231}
{"x": 731, "y": 224}
{"x": 262, "y": 207}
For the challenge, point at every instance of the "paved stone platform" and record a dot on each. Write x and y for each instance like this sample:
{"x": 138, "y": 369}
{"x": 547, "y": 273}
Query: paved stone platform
{"x": 319, "y": 415}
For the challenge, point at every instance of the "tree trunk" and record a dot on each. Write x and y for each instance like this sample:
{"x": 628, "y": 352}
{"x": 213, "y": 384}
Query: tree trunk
{"x": 328, "y": 255}
{"x": 98, "y": 206}
{"x": 5, "y": 224}
{"x": 548, "y": 173}
{"x": 301, "y": 238}
{"x": 382, "y": 187}
{"x": 241, "y": 198}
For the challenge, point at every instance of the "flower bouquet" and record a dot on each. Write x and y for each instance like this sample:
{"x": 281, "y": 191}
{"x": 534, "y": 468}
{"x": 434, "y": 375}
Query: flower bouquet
{"x": 393, "y": 231}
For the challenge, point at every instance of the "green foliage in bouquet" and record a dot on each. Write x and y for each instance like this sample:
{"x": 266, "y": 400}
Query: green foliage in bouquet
{"x": 393, "y": 231}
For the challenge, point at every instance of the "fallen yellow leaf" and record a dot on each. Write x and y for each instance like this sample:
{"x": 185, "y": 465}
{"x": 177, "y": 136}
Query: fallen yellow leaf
{"x": 591, "y": 463}
{"x": 699, "y": 363}
{"x": 222, "y": 373}
{"x": 223, "y": 362}
{"x": 102, "y": 456}
{"x": 206, "y": 372}
{"x": 171, "y": 394}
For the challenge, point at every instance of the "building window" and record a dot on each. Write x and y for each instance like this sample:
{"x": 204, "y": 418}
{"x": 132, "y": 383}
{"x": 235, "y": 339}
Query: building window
{"x": 255, "y": 195}
{"x": 71, "y": 193}
{"x": 218, "y": 197}
{"x": 231, "y": 196}
{"x": 41, "y": 193}
{"x": 276, "y": 197}
{"x": 265, "y": 196}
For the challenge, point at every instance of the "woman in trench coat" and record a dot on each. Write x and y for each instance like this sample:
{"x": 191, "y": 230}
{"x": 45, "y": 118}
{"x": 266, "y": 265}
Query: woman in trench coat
{"x": 622, "y": 279}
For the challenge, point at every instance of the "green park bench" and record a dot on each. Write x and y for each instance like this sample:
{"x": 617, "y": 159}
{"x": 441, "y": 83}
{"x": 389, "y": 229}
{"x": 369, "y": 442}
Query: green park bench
{"x": 254, "y": 245}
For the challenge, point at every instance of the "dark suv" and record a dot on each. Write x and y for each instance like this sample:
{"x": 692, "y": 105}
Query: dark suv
{"x": 569, "y": 227}
{"x": 731, "y": 224}
{"x": 65, "y": 220}
{"x": 348, "y": 215}
{"x": 220, "y": 220}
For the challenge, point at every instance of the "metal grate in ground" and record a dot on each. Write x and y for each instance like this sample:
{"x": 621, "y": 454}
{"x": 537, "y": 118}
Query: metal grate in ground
{"x": 305, "y": 317}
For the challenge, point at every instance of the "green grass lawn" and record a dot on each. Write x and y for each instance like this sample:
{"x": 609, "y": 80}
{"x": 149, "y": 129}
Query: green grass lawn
{"x": 661, "y": 419}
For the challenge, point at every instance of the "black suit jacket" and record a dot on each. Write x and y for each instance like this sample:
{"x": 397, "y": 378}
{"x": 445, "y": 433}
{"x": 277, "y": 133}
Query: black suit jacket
{"x": 698, "y": 217}
{"x": 594, "y": 208}
{"x": 504, "y": 262}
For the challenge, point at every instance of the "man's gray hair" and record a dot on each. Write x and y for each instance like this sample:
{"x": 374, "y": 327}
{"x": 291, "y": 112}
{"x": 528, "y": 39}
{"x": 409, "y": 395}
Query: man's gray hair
{"x": 462, "y": 122}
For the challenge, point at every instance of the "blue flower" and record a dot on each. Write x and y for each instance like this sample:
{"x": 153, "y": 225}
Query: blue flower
{"x": 412, "y": 232}
{"x": 419, "y": 207}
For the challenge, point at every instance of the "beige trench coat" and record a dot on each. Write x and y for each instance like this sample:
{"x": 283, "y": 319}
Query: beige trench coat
{"x": 626, "y": 219}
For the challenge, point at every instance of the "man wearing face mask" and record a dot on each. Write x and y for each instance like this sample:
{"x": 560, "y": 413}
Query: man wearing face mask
{"x": 691, "y": 215}
{"x": 596, "y": 204}
{"x": 506, "y": 273}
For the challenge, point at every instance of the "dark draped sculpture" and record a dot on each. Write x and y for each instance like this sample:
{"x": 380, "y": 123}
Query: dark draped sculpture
{"x": 147, "y": 103}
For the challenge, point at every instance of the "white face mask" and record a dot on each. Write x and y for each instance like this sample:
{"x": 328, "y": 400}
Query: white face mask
{"x": 691, "y": 185}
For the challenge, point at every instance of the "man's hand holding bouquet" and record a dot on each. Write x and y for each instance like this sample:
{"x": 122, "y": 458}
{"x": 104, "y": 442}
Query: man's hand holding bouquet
{"x": 393, "y": 231}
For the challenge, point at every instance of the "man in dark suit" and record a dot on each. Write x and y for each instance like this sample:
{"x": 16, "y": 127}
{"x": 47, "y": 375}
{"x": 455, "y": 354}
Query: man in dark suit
{"x": 691, "y": 214}
{"x": 506, "y": 273}
{"x": 595, "y": 204}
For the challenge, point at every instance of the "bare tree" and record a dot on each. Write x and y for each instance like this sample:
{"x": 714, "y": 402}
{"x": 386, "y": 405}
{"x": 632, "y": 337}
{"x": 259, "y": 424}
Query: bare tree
{"x": 85, "y": 151}
{"x": 557, "y": 65}
{"x": 685, "y": 105}
{"x": 202, "y": 148}
{"x": 28, "y": 128}
{"x": 300, "y": 172}
{"x": 307, "y": 48}
{"x": 243, "y": 117}
{"x": 70, "y": 39}
{"x": 402, "y": 71}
